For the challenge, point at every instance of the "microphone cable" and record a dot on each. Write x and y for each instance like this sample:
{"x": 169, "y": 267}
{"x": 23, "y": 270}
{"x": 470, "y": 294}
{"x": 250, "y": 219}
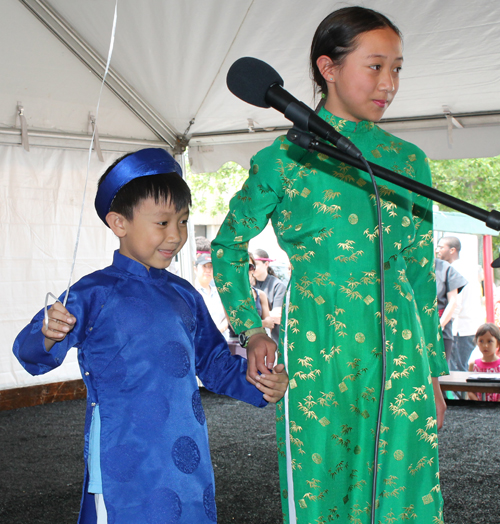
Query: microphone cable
{"x": 383, "y": 339}
{"x": 258, "y": 84}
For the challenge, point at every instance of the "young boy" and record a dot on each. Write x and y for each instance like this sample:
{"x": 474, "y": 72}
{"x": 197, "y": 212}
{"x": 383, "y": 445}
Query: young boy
{"x": 142, "y": 336}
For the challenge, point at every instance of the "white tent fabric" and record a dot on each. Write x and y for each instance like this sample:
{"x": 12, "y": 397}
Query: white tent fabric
{"x": 38, "y": 224}
{"x": 167, "y": 89}
{"x": 173, "y": 57}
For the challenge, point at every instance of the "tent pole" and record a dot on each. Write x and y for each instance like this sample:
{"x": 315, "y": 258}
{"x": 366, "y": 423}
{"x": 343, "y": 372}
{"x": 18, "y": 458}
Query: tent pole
{"x": 188, "y": 252}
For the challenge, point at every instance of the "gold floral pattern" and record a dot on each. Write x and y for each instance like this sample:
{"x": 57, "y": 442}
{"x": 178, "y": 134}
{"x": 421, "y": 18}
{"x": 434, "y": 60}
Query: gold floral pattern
{"x": 324, "y": 214}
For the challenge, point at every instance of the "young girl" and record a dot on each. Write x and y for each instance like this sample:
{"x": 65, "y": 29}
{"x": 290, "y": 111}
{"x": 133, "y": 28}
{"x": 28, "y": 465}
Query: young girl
{"x": 338, "y": 461}
{"x": 488, "y": 342}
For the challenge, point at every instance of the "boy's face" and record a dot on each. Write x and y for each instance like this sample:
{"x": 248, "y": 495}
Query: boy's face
{"x": 156, "y": 233}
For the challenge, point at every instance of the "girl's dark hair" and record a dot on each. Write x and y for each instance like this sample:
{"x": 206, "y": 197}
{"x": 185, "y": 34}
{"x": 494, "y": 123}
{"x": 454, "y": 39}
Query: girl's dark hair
{"x": 488, "y": 328}
{"x": 337, "y": 36}
{"x": 164, "y": 187}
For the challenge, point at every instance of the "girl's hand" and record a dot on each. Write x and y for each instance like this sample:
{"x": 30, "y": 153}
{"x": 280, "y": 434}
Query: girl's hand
{"x": 61, "y": 322}
{"x": 260, "y": 356}
{"x": 440, "y": 402}
{"x": 273, "y": 385}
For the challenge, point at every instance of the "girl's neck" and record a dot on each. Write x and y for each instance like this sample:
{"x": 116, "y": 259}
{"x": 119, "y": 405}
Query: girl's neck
{"x": 489, "y": 360}
{"x": 332, "y": 108}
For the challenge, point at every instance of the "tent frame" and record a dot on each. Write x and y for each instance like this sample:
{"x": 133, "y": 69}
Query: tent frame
{"x": 84, "y": 52}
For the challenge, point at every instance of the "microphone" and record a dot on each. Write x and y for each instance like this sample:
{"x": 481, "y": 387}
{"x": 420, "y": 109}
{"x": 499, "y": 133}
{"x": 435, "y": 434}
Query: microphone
{"x": 258, "y": 84}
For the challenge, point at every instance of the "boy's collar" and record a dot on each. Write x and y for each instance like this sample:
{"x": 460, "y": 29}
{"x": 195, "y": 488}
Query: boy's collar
{"x": 151, "y": 161}
{"x": 135, "y": 268}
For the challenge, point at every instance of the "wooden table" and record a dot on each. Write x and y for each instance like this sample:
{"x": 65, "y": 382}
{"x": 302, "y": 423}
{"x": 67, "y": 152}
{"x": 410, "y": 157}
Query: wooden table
{"x": 457, "y": 381}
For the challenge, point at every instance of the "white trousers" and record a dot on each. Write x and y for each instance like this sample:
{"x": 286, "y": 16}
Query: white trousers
{"x": 102, "y": 514}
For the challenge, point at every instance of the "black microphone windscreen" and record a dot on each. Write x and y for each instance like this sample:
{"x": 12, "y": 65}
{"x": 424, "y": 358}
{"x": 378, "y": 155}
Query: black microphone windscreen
{"x": 249, "y": 79}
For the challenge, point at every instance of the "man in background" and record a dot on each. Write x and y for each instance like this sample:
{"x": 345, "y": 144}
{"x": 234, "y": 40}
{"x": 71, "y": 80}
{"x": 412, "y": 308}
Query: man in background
{"x": 449, "y": 283}
{"x": 468, "y": 311}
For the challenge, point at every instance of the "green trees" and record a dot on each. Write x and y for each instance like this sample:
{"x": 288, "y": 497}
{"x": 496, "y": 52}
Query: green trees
{"x": 211, "y": 192}
{"x": 475, "y": 180}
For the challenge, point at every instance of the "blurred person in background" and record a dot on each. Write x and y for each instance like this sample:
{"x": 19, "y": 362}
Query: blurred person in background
{"x": 261, "y": 305}
{"x": 204, "y": 284}
{"x": 449, "y": 283}
{"x": 467, "y": 315}
{"x": 273, "y": 287}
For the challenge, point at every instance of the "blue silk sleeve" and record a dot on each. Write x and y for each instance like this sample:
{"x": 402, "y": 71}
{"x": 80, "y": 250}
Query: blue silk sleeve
{"x": 29, "y": 345}
{"x": 219, "y": 370}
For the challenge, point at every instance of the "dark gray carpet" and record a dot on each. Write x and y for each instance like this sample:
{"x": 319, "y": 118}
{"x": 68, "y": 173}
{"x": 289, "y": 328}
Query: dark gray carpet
{"x": 41, "y": 463}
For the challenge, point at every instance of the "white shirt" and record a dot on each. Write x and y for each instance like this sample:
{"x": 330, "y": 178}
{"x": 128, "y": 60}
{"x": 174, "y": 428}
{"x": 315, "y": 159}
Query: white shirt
{"x": 469, "y": 311}
{"x": 213, "y": 302}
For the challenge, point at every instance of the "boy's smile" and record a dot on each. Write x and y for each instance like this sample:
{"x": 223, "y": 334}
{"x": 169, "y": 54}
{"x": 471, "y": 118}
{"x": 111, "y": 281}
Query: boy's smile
{"x": 155, "y": 235}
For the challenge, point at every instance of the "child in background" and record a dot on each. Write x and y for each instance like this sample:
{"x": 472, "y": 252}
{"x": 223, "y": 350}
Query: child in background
{"x": 488, "y": 342}
{"x": 143, "y": 335}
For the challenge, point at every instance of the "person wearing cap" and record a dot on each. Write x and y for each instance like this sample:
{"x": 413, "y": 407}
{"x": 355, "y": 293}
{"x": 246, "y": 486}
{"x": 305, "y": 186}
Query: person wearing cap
{"x": 204, "y": 284}
{"x": 272, "y": 286}
{"x": 143, "y": 335}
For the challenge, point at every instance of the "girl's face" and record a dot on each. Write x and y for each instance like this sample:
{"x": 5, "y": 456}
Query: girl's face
{"x": 363, "y": 87}
{"x": 260, "y": 270}
{"x": 489, "y": 346}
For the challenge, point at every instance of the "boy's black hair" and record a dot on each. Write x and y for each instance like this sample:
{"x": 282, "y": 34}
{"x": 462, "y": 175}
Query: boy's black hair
{"x": 165, "y": 187}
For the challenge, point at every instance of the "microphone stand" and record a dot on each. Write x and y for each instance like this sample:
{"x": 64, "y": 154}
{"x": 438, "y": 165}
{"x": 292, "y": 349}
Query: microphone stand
{"x": 311, "y": 143}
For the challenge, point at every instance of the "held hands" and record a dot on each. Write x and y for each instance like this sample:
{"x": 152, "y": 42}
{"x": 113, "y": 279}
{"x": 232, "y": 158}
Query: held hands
{"x": 61, "y": 322}
{"x": 273, "y": 386}
{"x": 260, "y": 356}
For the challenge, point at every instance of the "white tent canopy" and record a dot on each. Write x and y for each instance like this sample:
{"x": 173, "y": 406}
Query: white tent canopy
{"x": 171, "y": 58}
{"x": 167, "y": 88}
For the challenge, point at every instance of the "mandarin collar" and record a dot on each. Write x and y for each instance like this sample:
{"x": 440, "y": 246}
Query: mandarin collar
{"x": 345, "y": 126}
{"x": 135, "y": 268}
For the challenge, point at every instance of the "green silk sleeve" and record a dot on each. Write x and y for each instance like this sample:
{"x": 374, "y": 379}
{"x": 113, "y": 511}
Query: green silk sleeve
{"x": 249, "y": 212}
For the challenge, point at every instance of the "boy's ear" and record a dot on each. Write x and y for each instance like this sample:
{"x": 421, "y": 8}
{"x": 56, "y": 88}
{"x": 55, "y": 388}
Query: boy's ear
{"x": 117, "y": 223}
{"x": 327, "y": 68}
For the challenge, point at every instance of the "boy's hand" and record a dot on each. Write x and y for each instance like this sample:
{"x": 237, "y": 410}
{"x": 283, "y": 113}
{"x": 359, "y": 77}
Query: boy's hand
{"x": 260, "y": 356}
{"x": 273, "y": 386}
{"x": 60, "y": 323}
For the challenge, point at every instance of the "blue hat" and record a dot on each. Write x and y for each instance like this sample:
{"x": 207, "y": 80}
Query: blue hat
{"x": 152, "y": 161}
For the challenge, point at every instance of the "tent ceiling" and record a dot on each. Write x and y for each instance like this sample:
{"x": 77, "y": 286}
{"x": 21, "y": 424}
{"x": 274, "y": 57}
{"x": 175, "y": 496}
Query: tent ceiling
{"x": 171, "y": 58}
